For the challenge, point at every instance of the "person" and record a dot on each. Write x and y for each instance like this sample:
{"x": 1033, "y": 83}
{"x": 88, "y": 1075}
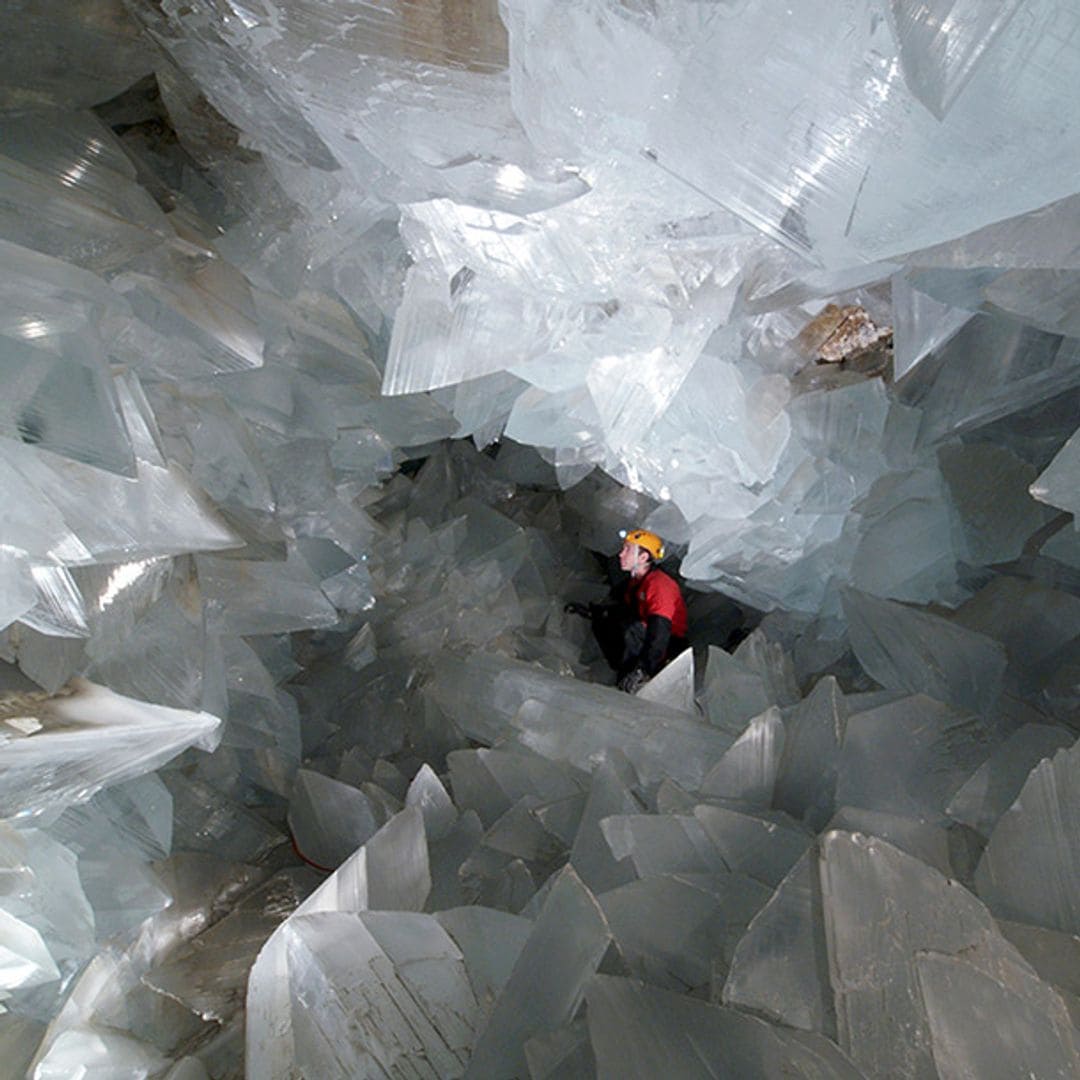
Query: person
{"x": 646, "y": 626}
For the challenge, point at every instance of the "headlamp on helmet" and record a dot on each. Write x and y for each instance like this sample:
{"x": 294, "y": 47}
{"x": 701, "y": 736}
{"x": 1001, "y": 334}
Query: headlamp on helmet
{"x": 644, "y": 539}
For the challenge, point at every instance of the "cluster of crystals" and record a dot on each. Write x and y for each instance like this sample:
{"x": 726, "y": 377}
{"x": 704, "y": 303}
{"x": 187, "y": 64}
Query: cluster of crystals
{"x": 782, "y": 285}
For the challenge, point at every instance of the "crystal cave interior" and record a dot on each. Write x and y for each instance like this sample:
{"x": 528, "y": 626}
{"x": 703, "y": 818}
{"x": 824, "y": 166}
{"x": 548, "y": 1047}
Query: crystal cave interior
{"x": 387, "y": 317}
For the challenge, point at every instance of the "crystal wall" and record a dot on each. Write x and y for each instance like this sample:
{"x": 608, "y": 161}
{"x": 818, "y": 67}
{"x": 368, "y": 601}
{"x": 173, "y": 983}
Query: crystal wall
{"x": 387, "y": 316}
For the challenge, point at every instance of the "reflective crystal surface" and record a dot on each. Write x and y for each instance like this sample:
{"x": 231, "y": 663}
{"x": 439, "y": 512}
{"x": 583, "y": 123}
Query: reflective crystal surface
{"x": 339, "y": 342}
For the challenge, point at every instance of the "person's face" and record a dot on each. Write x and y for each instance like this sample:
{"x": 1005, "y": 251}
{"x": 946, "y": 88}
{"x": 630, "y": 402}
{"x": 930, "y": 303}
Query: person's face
{"x": 630, "y": 556}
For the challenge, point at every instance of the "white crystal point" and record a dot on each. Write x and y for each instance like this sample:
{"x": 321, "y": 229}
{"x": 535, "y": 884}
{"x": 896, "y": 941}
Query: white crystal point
{"x": 747, "y": 772}
{"x": 389, "y": 872}
{"x": 568, "y": 941}
{"x": 25, "y": 959}
{"x": 427, "y": 792}
{"x": 86, "y": 1051}
{"x": 329, "y": 820}
{"x": 673, "y": 685}
{"x": 1059, "y": 483}
{"x": 1030, "y": 871}
{"x": 89, "y": 738}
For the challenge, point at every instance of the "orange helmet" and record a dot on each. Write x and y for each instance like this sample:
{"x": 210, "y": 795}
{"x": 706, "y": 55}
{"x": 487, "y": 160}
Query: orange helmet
{"x": 644, "y": 539}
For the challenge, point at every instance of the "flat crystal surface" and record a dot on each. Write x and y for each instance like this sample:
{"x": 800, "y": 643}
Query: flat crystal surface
{"x": 883, "y": 1001}
{"x": 747, "y": 772}
{"x": 993, "y": 787}
{"x": 942, "y": 746}
{"x": 638, "y": 1031}
{"x": 806, "y": 776}
{"x": 565, "y": 947}
{"x": 896, "y": 643}
{"x": 679, "y": 930}
{"x": 411, "y": 1008}
{"x": 1027, "y": 872}
{"x": 958, "y": 996}
{"x": 780, "y": 966}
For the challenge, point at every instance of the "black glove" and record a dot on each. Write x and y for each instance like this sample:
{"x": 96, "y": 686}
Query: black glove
{"x": 577, "y": 609}
{"x": 632, "y": 681}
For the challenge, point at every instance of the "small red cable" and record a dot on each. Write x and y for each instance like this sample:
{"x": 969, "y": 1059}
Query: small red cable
{"x": 304, "y": 858}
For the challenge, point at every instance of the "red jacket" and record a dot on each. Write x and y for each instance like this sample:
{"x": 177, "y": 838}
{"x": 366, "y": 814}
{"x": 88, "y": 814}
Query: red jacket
{"x": 656, "y": 593}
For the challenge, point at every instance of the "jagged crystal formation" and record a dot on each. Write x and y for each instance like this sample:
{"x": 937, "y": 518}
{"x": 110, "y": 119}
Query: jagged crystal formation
{"x": 338, "y": 342}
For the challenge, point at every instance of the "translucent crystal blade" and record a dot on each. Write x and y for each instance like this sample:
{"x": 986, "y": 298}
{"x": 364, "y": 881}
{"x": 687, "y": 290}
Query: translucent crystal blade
{"x": 747, "y": 772}
{"x": 661, "y": 844}
{"x": 679, "y": 931}
{"x": 940, "y": 44}
{"x": 1035, "y": 1033}
{"x": 568, "y": 941}
{"x": 780, "y": 965}
{"x": 942, "y": 747}
{"x": 491, "y": 943}
{"x": 209, "y": 973}
{"x": 732, "y": 694}
{"x": 98, "y": 738}
{"x": 412, "y": 1009}
{"x": 275, "y": 597}
{"x": 921, "y": 325}
{"x": 899, "y": 646}
{"x": 874, "y": 957}
{"x": 609, "y": 795}
{"x": 806, "y": 777}
{"x": 329, "y": 820}
{"x": 993, "y": 787}
{"x": 1029, "y": 870}
{"x": 567, "y": 721}
{"x": 1058, "y": 484}
{"x": 61, "y": 398}
{"x": 639, "y": 1031}
{"x": 763, "y": 845}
